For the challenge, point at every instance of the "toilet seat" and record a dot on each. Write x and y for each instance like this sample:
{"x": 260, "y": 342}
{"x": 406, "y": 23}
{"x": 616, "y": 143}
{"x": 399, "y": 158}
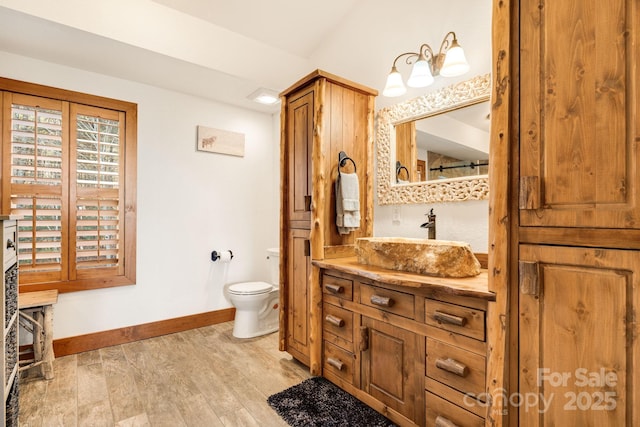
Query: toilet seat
{"x": 250, "y": 288}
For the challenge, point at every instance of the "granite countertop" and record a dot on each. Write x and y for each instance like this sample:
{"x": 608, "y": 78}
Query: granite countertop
{"x": 477, "y": 286}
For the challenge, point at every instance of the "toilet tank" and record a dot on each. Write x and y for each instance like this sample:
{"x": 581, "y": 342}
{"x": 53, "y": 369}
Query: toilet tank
{"x": 273, "y": 258}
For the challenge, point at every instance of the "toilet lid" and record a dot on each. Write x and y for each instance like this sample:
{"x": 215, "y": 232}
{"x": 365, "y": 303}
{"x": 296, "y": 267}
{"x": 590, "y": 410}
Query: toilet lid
{"x": 250, "y": 288}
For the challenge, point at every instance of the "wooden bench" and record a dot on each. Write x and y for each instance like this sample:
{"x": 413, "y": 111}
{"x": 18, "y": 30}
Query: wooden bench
{"x": 36, "y": 317}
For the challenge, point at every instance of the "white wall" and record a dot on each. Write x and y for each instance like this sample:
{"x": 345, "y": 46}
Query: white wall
{"x": 460, "y": 221}
{"x": 189, "y": 202}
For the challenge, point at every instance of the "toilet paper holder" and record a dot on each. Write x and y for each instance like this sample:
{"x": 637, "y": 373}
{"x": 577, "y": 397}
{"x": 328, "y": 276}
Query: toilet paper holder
{"x": 215, "y": 255}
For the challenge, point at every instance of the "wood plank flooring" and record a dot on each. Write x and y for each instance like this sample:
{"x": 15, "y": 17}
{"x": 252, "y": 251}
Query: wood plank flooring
{"x": 201, "y": 377}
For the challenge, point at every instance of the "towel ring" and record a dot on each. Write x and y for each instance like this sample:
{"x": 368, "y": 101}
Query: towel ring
{"x": 399, "y": 169}
{"x": 342, "y": 161}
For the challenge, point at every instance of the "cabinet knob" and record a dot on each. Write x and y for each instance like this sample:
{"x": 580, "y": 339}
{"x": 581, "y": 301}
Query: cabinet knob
{"x": 335, "y": 321}
{"x": 335, "y": 363}
{"x": 453, "y": 366}
{"x": 451, "y": 319}
{"x": 10, "y": 244}
{"x": 381, "y": 301}
{"x": 443, "y": 422}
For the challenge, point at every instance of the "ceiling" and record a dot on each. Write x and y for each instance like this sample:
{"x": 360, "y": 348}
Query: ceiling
{"x": 273, "y": 21}
{"x": 225, "y": 50}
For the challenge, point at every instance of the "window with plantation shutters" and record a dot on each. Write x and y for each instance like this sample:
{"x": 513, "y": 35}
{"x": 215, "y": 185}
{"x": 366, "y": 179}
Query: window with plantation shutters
{"x": 96, "y": 213}
{"x": 69, "y": 174}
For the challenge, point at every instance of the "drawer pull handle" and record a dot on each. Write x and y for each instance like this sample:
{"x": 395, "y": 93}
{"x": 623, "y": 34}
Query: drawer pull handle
{"x": 453, "y": 366}
{"x": 381, "y": 301}
{"x": 334, "y": 289}
{"x": 335, "y": 321}
{"x": 335, "y": 363}
{"x": 451, "y": 319}
{"x": 443, "y": 422}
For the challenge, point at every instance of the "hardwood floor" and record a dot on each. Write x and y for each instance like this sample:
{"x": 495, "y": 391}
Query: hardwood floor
{"x": 200, "y": 377}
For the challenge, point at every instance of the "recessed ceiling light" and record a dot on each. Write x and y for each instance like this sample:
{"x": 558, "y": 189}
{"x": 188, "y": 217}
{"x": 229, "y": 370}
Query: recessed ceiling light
{"x": 265, "y": 96}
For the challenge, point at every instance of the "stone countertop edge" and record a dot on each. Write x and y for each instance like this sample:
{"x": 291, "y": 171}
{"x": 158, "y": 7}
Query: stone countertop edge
{"x": 477, "y": 286}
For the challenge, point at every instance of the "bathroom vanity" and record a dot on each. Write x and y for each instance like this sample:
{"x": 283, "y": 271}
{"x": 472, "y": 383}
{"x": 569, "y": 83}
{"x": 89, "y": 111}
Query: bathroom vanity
{"x": 411, "y": 346}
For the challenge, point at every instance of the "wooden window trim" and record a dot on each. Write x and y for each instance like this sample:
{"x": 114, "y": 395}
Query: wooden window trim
{"x": 130, "y": 111}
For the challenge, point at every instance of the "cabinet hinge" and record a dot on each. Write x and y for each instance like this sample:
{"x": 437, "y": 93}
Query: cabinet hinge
{"x": 307, "y": 203}
{"x": 529, "y": 195}
{"x": 529, "y": 278}
{"x": 307, "y": 248}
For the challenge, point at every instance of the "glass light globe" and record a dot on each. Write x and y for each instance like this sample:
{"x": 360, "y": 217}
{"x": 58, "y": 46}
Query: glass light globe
{"x": 421, "y": 73}
{"x": 455, "y": 62}
{"x": 394, "y": 86}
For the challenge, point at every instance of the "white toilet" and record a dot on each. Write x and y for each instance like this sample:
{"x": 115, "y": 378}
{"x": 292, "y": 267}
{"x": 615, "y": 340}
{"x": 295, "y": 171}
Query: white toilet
{"x": 257, "y": 303}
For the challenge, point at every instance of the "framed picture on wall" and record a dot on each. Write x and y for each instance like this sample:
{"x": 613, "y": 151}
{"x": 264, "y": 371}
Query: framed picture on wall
{"x": 220, "y": 141}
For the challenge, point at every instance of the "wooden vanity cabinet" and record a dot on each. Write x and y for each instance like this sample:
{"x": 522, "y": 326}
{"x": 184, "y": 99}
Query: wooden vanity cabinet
{"x": 414, "y": 354}
{"x": 580, "y": 123}
{"x": 339, "y": 330}
{"x": 576, "y": 328}
{"x": 299, "y": 134}
{"x": 456, "y": 361}
{"x": 389, "y": 366}
{"x": 322, "y": 115}
{"x": 298, "y": 294}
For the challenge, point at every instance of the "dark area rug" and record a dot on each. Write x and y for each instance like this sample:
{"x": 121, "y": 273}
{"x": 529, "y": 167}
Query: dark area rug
{"x": 317, "y": 402}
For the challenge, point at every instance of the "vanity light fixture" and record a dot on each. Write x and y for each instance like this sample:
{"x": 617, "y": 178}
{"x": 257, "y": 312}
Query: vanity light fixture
{"x": 264, "y": 96}
{"x": 448, "y": 62}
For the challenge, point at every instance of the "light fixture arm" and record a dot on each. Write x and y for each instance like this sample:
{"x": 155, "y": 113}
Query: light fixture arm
{"x": 408, "y": 61}
{"x": 426, "y": 54}
{"x": 426, "y": 49}
{"x": 446, "y": 44}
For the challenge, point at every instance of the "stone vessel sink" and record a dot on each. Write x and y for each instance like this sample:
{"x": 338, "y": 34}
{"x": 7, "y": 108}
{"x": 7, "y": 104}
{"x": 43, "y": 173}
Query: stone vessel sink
{"x": 441, "y": 258}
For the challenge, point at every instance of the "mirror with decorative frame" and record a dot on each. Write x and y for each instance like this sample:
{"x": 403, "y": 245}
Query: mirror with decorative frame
{"x": 454, "y": 144}
{"x": 399, "y": 173}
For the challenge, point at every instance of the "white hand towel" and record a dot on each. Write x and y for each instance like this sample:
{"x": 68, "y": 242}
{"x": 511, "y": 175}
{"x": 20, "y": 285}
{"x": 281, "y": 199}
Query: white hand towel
{"x": 350, "y": 189}
{"x": 347, "y": 202}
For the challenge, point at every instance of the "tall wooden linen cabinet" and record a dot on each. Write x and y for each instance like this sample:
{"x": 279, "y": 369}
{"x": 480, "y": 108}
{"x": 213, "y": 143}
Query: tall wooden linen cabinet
{"x": 565, "y": 221}
{"x": 322, "y": 115}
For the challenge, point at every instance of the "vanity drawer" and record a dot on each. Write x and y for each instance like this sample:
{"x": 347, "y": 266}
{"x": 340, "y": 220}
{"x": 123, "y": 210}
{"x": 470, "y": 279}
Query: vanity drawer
{"x": 337, "y": 286}
{"x": 455, "y": 318}
{"x": 443, "y": 411}
{"x": 385, "y": 299}
{"x": 337, "y": 324}
{"x": 338, "y": 362}
{"x": 9, "y": 242}
{"x": 455, "y": 367}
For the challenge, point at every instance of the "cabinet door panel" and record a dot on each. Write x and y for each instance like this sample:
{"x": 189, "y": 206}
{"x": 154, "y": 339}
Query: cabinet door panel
{"x": 579, "y": 121}
{"x": 391, "y": 367}
{"x": 578, "y": 364}
{"x": 300, "y": 137}
{"x": 298, "y": 295}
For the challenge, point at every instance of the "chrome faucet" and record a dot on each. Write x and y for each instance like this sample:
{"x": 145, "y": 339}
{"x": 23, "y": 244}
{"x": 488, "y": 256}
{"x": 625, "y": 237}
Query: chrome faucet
{"x": 430, "y": 224}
